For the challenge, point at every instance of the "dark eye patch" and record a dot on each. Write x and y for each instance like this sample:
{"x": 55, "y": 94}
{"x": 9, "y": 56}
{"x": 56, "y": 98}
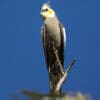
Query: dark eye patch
{"x": 44, "y": 10}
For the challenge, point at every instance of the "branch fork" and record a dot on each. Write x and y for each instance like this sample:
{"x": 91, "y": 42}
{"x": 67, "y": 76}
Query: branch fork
{"x": 64, "y": 74}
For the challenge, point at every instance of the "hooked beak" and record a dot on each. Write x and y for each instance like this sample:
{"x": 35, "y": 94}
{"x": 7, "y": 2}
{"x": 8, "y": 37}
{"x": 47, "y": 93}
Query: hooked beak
{"x": 42, "y": 15}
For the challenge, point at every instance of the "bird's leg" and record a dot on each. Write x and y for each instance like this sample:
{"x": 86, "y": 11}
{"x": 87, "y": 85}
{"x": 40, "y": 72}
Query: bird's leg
{"x": 57, "y": 57}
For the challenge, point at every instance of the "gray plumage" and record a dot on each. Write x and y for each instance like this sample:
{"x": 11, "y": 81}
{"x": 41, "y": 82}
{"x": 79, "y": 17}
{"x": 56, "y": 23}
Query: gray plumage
{"x": 53, "y": 34}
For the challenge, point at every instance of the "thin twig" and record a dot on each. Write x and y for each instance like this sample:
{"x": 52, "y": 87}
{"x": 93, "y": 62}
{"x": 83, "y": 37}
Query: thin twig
{"x": 70, "y": 66}
{"x": 61, "y": 81}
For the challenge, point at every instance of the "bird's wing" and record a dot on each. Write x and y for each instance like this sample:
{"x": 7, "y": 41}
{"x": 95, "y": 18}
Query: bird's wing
{"x": 43, "y": 34}
{"x": 60, "y": 49}
{"x": 63, "y": 43}
{"x": 63, "y": 35}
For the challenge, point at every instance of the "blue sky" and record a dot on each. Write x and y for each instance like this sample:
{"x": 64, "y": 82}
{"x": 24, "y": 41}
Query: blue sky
{"x": 22, "y": 64}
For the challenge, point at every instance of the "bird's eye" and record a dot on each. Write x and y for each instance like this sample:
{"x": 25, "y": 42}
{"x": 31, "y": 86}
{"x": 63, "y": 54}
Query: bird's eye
{"x": 46, "y": 9}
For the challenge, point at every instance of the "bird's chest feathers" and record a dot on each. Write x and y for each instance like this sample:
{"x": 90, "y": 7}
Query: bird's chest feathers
{"x": 53, "y": 32}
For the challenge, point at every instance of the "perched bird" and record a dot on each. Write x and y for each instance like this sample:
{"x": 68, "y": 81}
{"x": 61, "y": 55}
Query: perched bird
{"x": 53, "y": 35}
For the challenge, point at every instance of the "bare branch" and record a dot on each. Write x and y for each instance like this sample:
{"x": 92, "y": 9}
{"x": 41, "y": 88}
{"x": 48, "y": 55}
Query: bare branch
{"x": 64, "y": 74}
{"x": 70, "y": 66}
{"x": 59, "y": 62}
{"x": 61, "y": 81}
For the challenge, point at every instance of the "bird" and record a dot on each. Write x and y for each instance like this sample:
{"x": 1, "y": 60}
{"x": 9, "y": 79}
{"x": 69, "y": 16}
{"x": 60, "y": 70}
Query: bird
{"x": 53, "y": 39}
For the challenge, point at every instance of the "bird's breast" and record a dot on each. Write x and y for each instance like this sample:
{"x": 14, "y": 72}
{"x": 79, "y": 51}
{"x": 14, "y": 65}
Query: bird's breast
{"x": 53, "y": 32}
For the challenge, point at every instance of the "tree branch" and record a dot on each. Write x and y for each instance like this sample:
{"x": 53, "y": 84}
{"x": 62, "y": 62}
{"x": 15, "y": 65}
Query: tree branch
{"x": 61, "y": 81}
{"x": 64, "y": 74}
{"x": 58, "y": 61}
{"x": 57, "y": 57}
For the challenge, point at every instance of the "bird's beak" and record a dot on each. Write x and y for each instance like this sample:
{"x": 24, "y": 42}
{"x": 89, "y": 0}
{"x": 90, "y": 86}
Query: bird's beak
{"x": 42, "y": 15}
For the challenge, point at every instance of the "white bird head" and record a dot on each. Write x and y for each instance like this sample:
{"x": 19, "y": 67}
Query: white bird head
{"x": 46, "y": 11}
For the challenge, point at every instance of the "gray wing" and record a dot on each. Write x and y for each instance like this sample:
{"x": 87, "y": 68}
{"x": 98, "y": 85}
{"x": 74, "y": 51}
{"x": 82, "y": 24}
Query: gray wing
{"x": 43, "y": 34}
{"x": 63, "y": 37}
{"x": 63, "y": 43}
{"x": 60, "y": 49}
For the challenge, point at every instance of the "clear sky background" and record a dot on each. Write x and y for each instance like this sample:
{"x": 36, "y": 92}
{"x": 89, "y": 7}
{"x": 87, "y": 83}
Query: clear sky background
{"x": 22, "y": 63}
